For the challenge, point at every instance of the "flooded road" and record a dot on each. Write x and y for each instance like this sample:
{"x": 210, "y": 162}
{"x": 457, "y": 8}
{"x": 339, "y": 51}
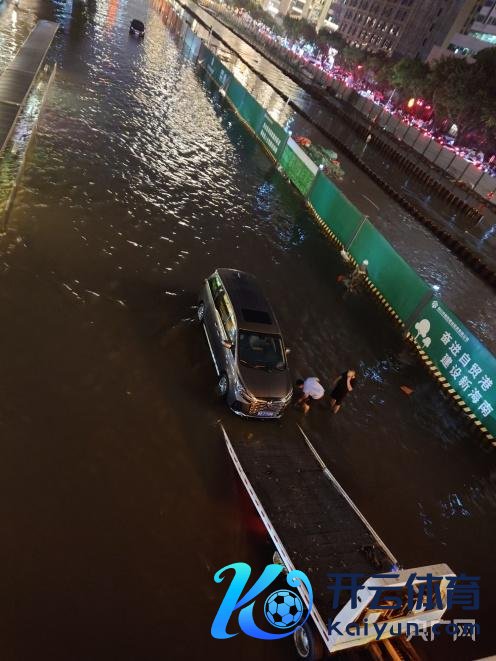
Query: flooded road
{"x": 118, "y": 500}
{"x": 467, "y": 294}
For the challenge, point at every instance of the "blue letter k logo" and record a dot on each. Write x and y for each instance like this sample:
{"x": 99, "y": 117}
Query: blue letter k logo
{"x": 234, "y": 601}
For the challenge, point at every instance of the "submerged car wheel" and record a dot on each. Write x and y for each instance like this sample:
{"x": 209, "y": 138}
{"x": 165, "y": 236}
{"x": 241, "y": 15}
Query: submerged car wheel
{"x": 223, "y": 385}
{"x": 308, "y": 645}
{"x": 200, "y": 312}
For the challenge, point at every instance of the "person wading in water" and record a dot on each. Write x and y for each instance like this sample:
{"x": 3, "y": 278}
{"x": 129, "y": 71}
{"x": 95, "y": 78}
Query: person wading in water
{"x": 342, "y": 386}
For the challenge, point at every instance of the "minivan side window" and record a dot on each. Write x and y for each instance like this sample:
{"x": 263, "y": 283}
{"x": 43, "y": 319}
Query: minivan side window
{"x": 215, "y": 285}
{"x": 226, "y": 315}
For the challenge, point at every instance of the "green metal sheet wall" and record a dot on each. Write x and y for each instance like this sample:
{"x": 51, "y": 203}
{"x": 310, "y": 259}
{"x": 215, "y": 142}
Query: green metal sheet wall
{"x": 252, "y": 112}
{"x": 236, "y": 93}
{"x": 342, "y": 218}
{"x": 212, "y": 63}
{"x": 220, "y": 74}
{"x": 224, "y": 77}
{"x": 273, "y": 136}
{"x": 463, "y": 361}
{"x": 296, "y": 170}
{"x": 400, "y": 285}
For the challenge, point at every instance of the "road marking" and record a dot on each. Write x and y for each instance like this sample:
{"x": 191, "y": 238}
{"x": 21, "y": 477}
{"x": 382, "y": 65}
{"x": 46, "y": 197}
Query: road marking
{"x": 369, "y": 200}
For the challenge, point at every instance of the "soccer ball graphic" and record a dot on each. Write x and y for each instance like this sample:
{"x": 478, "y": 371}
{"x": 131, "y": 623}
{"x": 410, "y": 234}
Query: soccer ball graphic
{"x": 283, "y": 609}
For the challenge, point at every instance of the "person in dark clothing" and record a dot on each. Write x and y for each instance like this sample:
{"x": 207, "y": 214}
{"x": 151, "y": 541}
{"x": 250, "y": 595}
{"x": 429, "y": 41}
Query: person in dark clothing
{"x": 341, "y": 387}
{"x": 298, "y": 394}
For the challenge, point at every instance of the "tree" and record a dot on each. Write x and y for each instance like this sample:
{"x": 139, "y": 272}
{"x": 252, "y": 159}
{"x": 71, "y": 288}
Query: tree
{"x": 351, "y": 56}
{"x": 379, "y": 69}
{"x": 465, "y": 93}
{"x": 452, "y": 85}
{"x": 411, "y": 77}
{"x": 297, "y": 28}
{"x": 485, "y": 66}
{"x": 326, "y": 40}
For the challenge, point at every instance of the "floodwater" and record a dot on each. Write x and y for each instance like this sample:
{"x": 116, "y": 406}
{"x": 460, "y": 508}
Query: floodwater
{"x": 118, "y": 501}
{"x": 467, "y": 294}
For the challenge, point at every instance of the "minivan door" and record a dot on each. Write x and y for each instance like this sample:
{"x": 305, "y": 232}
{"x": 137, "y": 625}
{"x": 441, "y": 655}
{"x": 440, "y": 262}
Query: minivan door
{"x": 213, "y": 288}
{"x": 227, "y": 332}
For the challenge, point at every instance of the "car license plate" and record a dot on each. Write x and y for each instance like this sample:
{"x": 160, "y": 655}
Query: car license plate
{"x": 266, "y": 414}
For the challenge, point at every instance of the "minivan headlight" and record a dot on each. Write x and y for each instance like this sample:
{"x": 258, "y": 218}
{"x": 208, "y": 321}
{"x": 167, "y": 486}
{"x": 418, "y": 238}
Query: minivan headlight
{"x": 242, "y": 393}
{"x": 288, "y": 397}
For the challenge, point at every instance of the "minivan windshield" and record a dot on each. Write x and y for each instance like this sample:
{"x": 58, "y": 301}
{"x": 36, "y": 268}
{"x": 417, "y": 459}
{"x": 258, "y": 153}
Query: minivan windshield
{"x": 258, "y": 350}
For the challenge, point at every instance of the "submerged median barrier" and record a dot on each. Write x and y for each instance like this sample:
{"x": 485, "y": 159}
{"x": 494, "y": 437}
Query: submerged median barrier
{"x": 464, "y": 367}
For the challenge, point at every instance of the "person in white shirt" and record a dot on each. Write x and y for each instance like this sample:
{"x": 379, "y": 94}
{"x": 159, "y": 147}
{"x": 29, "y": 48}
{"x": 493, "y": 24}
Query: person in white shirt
{"x": 308, "y": 391}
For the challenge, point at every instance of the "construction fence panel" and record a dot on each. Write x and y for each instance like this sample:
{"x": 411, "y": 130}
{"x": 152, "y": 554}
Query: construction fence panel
{"x": 273, "y": 136}
{"x": 236, "y": 94}
{"x": 466, "y": 365}
{"x": 400, "y": 285}
{"x": 252, "y": 112}
{"x": 192, "y": 45}
{"x": 298, "y": 167}
{"x": 337, "y": 212}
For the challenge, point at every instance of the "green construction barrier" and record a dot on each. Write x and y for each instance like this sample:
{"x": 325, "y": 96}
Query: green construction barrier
{"x": 466, "y": 364}
{"x": 216, "y": 69}
{"x": 220, "y": 73}
{"x": 252, "y": 112}
{"x": 400, "y": 285}
{"x": 203, "y": 54}
{"x": 296, "y": 170}
{"x": 212, "y": 63}
{"x": 342, "y": 218}
{"x": 273, "y": 136}
{"x": 223, "y": 76}
{"x": 236, "y": 93}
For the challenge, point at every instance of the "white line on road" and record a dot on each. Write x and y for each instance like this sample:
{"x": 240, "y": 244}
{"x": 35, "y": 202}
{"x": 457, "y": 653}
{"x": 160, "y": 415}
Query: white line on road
{"x": 369, "y": 200}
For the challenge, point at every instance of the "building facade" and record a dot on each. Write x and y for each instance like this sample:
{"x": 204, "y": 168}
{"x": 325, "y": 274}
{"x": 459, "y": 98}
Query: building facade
{"x": 295, "y": 8}
{"x": 474, "y": 31}
{"x": 408, "y": 28}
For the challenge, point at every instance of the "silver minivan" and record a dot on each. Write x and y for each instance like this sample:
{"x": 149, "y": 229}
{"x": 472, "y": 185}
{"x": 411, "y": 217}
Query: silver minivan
{"x": 246, "y": 345}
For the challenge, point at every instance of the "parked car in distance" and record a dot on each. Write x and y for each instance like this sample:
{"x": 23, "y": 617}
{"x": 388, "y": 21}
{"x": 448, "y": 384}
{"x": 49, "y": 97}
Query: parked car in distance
{"x": 246, "y": 345}
{"x": 137, "y": 28}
